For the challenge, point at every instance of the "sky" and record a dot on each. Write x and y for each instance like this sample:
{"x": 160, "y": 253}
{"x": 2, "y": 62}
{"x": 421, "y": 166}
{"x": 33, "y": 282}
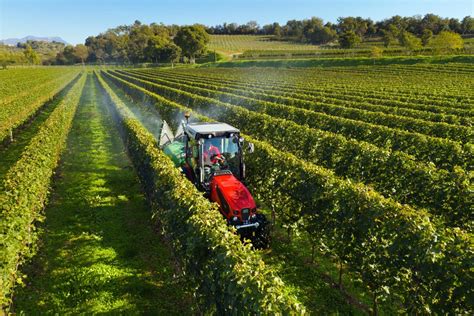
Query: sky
{"x": 75, "y": 20}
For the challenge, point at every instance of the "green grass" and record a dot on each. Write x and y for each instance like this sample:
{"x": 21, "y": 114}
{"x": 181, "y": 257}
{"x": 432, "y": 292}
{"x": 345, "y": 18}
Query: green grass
{"x": 100, "y": 253}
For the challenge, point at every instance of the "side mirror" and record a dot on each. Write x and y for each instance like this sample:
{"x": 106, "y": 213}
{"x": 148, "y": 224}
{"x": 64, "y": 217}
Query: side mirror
{"x": 250, "y": 148}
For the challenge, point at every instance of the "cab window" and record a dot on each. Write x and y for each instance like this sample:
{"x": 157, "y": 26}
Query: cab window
{"x": 227, "y": 147}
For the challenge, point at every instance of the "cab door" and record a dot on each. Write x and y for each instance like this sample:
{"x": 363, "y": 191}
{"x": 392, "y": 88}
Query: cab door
{"x": 192, "y": 159}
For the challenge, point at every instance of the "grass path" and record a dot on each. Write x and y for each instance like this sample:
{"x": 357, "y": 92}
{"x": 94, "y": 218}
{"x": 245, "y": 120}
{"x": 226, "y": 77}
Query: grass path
{"x": 314, "y": 283}
{"x": 99, "y": 251}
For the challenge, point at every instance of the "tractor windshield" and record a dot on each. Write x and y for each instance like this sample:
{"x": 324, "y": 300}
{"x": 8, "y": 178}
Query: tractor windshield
{"x": 222, "y": 153}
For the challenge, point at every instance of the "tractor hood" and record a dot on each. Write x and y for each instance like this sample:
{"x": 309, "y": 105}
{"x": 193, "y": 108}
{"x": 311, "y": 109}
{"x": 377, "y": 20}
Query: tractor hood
{"x": 233, "y": 191}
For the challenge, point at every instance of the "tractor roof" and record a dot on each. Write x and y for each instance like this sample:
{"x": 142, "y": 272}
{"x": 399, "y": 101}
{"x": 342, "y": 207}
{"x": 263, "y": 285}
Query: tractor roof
{"x": 199, "y": 130}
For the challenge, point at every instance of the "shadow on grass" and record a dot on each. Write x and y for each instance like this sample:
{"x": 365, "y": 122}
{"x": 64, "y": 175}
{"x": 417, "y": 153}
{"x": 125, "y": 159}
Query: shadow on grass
{"x": 99, "y": 251}
{"x": 305, "y": 281}
{"x": 315, "y": 282}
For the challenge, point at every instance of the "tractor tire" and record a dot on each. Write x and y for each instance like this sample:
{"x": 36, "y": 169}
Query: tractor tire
{"x": 261, "y": 239}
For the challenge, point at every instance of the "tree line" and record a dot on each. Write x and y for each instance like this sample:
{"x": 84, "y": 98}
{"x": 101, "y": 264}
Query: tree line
{"x": 125, "y": 44}
{"x": 19, "y": 55}
{"x": 314, "y": 30}
{"x": 140, "y": 43}
{"x": 159, "y": 43}
{"x": 412, "y": 32}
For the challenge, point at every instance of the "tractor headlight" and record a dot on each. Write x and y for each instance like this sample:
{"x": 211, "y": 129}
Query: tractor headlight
{"x": 235, "y": 218}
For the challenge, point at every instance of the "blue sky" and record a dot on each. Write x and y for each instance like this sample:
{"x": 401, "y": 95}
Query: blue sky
{"x": 75, "y": 20}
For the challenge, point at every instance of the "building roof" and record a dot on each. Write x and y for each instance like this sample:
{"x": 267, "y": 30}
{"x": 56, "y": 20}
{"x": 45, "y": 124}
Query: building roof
{"x": 197, "y": 130}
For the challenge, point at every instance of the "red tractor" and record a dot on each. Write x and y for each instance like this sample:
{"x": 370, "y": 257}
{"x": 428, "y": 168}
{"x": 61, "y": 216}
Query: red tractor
{"x": 211, "y": 156}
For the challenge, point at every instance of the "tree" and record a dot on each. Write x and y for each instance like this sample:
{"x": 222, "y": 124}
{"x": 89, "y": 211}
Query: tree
{"x": 323, "y": 35}
{"x": 31, "y": 56}
{"x": 272, "y": 29}
{"x": 230, "y": 28}
{"x": 294, "y": 28}
{"x": 455, "y": 25}
{"x": 349, "y": 39}
{"x": 162, "y": 50}
{"x": 139, "y": 37}
{"x": 413, "y": 24}
{"x": 192, "y": 40}
{"x": 358, "y": 25}
{"x": 153, "y": 50}
{"x": 390, "y": 35}
{"x": 432, "y": 22}
{"x": 171, "y": 53}
{"x": 426, "y": 37}
{"x": 69, "y": 54}
{"x": 100, "y": 55}
{"x": 409, "y": 41}
{"x": 394, "y": 25}
{"x": 371, "y": 28}
{"x": 81, "y": 52}
{"x": 277, "y": 30}
{"x": 376, "y": 52}
{"x": 250, "y": 27}
{"x": 447, "y": 41}
{"x": 467, "y": 25}
{"x": 316, "y": 33}
{"x": 387, "y": 38}
{"x": 267, "y": 29}
{"x": 10, "y": 57}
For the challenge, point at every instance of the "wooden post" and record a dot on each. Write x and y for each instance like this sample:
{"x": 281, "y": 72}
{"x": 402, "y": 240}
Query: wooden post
{"x": 11, "y": 134}
{"x": 273, "y": 215}
{"x": 340, "y": 274}
{"x": 375, "y": 311}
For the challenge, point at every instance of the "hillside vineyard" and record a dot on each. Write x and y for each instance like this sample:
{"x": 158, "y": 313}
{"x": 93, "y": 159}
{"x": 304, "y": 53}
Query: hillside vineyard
{"x": 365, "y": 172}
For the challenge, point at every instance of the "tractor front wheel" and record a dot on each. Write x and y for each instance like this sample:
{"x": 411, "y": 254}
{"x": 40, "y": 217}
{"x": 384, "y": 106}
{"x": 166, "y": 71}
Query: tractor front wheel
{"x": 261, "y": 237}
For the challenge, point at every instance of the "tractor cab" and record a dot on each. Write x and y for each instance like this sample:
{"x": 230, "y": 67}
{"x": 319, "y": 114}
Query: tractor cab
{"x": 210, "y": 154}
{"x": 212, "y": 149}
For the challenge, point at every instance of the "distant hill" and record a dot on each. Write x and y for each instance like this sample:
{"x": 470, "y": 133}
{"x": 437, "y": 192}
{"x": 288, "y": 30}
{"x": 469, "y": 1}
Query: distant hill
{"x": 14, "y": 41}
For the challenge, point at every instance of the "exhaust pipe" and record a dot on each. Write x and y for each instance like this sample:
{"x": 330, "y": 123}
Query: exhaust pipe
{"x": 187, "y": 115}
